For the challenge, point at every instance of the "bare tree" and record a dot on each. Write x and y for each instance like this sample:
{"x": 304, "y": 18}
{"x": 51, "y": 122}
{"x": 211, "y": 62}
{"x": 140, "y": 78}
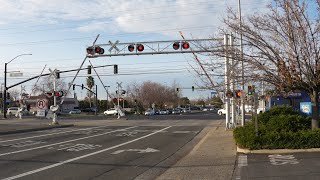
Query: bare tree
{"x": 46, "y": 85}
{"x": 149, "y": 92}
{"x": 281, "y": 47}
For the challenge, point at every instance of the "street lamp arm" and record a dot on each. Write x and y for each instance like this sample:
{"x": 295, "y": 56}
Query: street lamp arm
{"x": 17, "y": 57}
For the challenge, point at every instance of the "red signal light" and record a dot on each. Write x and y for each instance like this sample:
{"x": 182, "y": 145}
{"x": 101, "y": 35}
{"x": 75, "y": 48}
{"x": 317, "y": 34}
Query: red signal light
{"x": 99, "y": 50}
{"x": 185, "y": 45}
{"x": 90, "y": 50}
{"x": 56, "y": 93}
{"x": 176, "y": 45}
{"x": 140, "y": 47}
{"x": 49, "y": 94}
{"x": 131, "y": 47}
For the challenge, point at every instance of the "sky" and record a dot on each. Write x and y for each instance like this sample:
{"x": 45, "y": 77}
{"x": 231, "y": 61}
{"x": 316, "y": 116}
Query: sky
{"x": 57, "y": 32}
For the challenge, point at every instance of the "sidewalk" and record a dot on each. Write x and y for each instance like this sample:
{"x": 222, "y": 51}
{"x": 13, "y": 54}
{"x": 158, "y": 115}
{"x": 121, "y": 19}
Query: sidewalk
{"x": 213, "y": 157}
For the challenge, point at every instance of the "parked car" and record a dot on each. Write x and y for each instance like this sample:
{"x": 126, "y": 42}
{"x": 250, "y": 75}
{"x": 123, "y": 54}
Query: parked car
{"x": 75, "y": 111}
{"x": 13, "y": 110}
{"x": 149, "y": 112}
{"x": 111, "y": 111}
{"x": 163, "y": 112}
{"x": 186, "y": 110}
{"x": 176, "y": 111}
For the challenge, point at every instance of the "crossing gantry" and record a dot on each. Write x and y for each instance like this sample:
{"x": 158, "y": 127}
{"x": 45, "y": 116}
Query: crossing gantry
{"x": 153, "y": 47}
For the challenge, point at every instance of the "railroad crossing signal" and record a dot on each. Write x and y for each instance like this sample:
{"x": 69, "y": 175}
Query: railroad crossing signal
{"x": 58, "y": 93}
{"x": 92, "y": 50}
{"x": 49, "y": 94}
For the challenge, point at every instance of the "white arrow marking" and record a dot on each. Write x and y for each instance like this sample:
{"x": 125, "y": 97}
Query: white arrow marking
{"x": 148, "y": 150}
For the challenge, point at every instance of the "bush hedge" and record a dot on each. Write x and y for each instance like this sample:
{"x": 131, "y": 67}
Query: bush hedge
{"x": 279, "y": 128}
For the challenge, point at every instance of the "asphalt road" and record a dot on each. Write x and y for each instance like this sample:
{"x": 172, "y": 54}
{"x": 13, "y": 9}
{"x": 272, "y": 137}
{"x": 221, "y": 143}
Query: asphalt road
{"x": 291, "y": 166}
{"x": 98, "y": 151}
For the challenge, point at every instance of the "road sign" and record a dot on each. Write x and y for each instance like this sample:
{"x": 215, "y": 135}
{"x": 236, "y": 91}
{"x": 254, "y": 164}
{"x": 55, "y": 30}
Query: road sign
{"x": 42, "y": 103}
{"x": 41, "y": 113}
{"x": 114, "y": 46}
{"x": 16, "y": 74}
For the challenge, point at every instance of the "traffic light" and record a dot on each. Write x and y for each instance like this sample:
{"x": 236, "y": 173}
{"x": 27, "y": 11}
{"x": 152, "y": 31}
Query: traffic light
{"x": 238, "y": 93}
{"x": 177, "y": 89}
{"x": 74, "y": 87}
{"x": 115, "y": 69}
{"x": 131, "y": 47}
{"x": 192, "y": 88}
{"x": 123, "y": 92}
{"x": 8, "y": 95}
{"x": 49, "y": 94}
{"x": 1, "y": 95}
{"x": 98, "y": 50}
{"x": 89, "y": 69}
{"x": 185, "y": 45}
{"x": 140, "y": 47}
{"x": 176, "y": 45}
{"x": 250, "y": 90}
{"x": 82, "y": 86}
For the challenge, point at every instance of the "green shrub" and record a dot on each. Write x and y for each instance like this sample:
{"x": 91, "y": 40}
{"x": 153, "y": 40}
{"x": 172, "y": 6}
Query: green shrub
{"x": 280, "y": 127}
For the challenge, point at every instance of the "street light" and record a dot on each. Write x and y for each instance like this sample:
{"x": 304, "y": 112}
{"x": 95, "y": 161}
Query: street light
{"x": 107, "y": 96}
{"x": 5, "y": 85}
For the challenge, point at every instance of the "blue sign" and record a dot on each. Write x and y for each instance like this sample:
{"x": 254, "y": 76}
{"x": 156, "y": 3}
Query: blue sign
{"x": 305, "y": 107}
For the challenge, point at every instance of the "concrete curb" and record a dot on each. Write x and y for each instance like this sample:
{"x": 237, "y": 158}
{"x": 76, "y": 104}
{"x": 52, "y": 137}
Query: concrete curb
{"x": 275, "y": 151}
{"x": 35, "y": 129}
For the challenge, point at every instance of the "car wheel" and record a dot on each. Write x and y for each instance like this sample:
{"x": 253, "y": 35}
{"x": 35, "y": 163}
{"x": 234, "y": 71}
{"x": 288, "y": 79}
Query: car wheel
{"x": 220, "y": 113}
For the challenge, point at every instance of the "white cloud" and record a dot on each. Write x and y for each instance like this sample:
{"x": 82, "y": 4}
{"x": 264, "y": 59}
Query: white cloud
{"x": 161, "y": 17}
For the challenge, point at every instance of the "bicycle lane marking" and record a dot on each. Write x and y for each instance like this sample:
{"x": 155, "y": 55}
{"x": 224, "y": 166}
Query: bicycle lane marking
{"x": 81, "y": 157}
{"x": 24, "y": 150}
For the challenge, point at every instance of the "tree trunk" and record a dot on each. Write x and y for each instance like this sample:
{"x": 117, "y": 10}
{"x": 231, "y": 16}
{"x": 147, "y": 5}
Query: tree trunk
{"x": 315, "y": 111}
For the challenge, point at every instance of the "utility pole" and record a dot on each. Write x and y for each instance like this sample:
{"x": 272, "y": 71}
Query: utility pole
{"x": 96, "y": 100}
{"x": 242, "y": 68}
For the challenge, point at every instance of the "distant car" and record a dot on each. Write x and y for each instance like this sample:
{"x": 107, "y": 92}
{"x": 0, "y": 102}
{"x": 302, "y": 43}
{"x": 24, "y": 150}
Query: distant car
{"x": 222, "y": 112}
{"x": 213, "y": 109}
{"x": 186, "y": 110}
{"x": 163, "y": 112}
{"x": 260, "y": 110}
{"x": 75, "y": 111}
{"x": 205, "y": 109}
{"x": 111, "y": 111}
{"x": 176, "y": 111}
{"x": 149, "y": 112}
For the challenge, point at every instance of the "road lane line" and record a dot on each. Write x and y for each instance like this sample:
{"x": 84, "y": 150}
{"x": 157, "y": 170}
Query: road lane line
{"x": 81, "y": 157}
{"x": 52, "y": 134}
{"x": 24, "y": 150}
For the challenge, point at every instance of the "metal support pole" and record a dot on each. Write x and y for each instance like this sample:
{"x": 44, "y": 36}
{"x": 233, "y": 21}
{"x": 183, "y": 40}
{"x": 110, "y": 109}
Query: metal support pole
{"x": 54, "y": 119}
{"x": 118, "y": 100}
{"x": 232, "y": 81}
{"x": 227, "y": 85}
{"x": 5, "y": 92}
{"x": 96, "y": 100}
